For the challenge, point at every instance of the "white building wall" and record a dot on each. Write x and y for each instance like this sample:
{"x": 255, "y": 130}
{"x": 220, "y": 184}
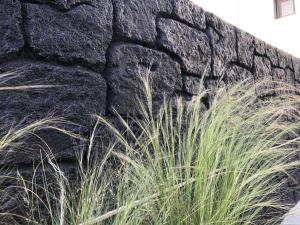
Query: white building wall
{"x": 258, "y": 18}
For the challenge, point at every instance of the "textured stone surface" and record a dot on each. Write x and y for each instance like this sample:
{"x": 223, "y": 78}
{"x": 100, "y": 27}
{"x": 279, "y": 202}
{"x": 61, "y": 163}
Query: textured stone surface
{"x": 278, "y": 74}
{"x": 190, "y": 45}
{"x": 234, "y": 74}
{"x": 262, "y": 68}
{"x": 135, "y": 19}
{"x": 223, "y": 39}
{"x": 66, "y": 4}
{"x": 290, "y": 76}
{"x": 72, "y": 93}
{"x": 192, "y": 85}
{"x": 127, "y": 63}
{"x": 11, "y": 38}
{"x": 296, "y": 65}
{"x": 245, "y": 48}
{"x": 285, "y": 60}
{"x": 189, "y": 12}
{"x": 260, "y": 46}
{"x": 272, "y": 54}
{"x": 81, "y": 34}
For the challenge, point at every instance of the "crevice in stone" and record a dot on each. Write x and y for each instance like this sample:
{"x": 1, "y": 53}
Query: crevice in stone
{"x": 187, "y": 74}
{"x": 253, "y": 56}
{"x": 160, "y": 48}
{"x": 209, "y": 24}
{"x": 58, "y": 7}
{"x": 211, "y": 46}
{"x": 206, "y": 102}
{"x": 27, "y": 50}
{"x": 238, "y": 61}
{"x": 119, "y": 39}
{"x": 106, "y": 70}
{"x": 293, "y": 75}
{"x": 172, "y": 16}
{"x": 239, "y": 64}
{"x": 37, "y": 60}
{"x": 266, "y": 56}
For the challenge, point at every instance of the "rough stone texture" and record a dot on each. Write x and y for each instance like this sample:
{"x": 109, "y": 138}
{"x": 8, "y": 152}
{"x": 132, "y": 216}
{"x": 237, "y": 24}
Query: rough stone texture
{"x": 190, "y": 45}
{"x": 135, "y": 19}
{"x": 190, "y": 13}
{"x": 234, "y": 74}
{"x": 127, "y": 63}
{"x": 272, "y": 54}
{"x": 11, "y": 38}
{"x": 192, "y": 85}
{"x": 278, "y": 74}
{"x": 260, "y": 46}
{"x": 66, "y": 4}
{"x": 290, "y": 76}
{"x": 262, "y": 68}
{"x": 72, "y": 93}
{"x": 81, "y": 34}
{"x": 246, "y": 47}
{"x": 296, "y": 65}
{"x": 223, "y": 39}
{"x": 285, "y": 60}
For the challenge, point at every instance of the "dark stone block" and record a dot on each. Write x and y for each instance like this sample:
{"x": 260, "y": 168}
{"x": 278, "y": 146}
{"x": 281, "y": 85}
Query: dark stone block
{"x": 285, "y": 60}
{"x": 235, "y": 74}
{"x": 190, "y": 45}
{"x": 260, "y": 46}
{"x": 272, "y": 54}
{"x": 278, "y": 74}
{"x": 290, "y": 76}
{"x": 223, "y": 39}
{"x": 192, "y": 85}
{"x": 127, "y": 63}
{"x": 135, "y": 19}
{"x": 81, "y": 34}
{"x": 262, "y": 68}
{"x": 11, "y": 38}
{"x": 245, "y": 48}
{"x": 190, "y": 13}
{"x": 296, "y": 66}
{"x": 72, "y": 93}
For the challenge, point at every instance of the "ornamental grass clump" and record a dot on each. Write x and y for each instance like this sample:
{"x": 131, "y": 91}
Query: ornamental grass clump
{"x": 220, "y": 166}
{"x": 184, "y": 165}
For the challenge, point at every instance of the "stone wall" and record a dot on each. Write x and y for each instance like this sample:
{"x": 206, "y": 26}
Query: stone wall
{"x": 90, "y": 54}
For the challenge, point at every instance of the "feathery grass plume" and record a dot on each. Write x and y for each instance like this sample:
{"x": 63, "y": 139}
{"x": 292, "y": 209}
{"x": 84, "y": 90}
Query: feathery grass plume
{"x": 215, "y": 167}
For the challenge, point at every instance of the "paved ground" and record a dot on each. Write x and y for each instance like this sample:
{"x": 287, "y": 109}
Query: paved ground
{"x": 293, "y": 217}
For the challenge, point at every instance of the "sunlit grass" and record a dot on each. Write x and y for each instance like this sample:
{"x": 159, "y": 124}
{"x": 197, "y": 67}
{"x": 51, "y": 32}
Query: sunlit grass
{"x": 217, "y": 167}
